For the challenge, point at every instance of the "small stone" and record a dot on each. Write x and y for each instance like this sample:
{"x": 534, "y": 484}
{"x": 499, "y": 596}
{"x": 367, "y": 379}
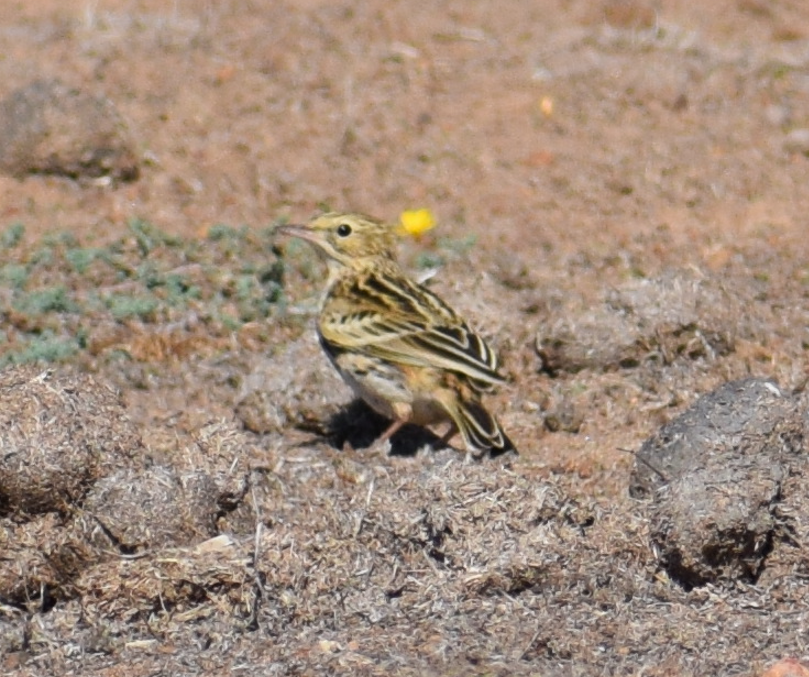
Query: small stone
{"x": 797, "y": 141}
{"x": 787, "y": 667}
{"x": 776, "y": 115}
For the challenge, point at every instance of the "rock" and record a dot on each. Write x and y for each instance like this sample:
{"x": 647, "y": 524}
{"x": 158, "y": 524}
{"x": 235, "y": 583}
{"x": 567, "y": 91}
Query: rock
{"x": 50, "y": 128}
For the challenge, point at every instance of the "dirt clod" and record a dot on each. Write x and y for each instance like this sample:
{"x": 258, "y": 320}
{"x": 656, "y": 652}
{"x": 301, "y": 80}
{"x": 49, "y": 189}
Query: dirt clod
{"x": 49, "y": 128}
{"x": 744, "y": 418}
{"x": 716, "y": 475}
{"x": 660, "y": 320}
{"x": 59, "y": 433}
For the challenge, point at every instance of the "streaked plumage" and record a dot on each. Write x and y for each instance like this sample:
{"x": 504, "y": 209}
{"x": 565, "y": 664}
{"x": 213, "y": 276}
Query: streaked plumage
{"x": 399, "y": 346}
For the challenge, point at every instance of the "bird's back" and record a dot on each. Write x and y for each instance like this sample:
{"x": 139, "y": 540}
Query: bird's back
{"x": 378, "y": 310}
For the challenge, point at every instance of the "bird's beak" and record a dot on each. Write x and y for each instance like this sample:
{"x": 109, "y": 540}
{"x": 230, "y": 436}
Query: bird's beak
{"x": 293, "y": 229}
{"x": 297, "y": 230}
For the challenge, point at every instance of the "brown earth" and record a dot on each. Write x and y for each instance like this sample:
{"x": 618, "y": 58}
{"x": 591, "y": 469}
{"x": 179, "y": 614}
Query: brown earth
{"x": 620, "y": 191}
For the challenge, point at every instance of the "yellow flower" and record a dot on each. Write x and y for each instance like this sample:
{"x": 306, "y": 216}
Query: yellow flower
{"x": 416, "y": 222}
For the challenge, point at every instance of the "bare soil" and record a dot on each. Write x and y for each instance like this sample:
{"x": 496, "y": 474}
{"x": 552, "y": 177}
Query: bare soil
{"x": 185, "y": 485}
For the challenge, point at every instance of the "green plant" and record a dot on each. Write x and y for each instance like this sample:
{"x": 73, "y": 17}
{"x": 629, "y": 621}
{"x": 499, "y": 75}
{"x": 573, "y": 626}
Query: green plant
{"x": 41, "y": 348}
{"x": 12, "y": 236}
{"x": 123, "y": 307}
{"x": 42, "y": 301}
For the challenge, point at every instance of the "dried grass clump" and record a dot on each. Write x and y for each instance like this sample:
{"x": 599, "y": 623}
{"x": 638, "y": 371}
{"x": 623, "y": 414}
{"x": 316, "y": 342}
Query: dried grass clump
{"x": 437, "y": 560}
{"x": 223, "y": 451}
{"x": 59, "y": 432}
{"x": 426, "y": 564}
{"x": 680, "y": 315}
{"x": 131, "y": 511}
{"x": 39, "y": 559}
{"x": 788, "y": 565}
{"x": 375, "y": 544}
{"x": 717, "y": 475}
{"x": 12, "y": 633}
{"x": 172, "y": 587}
{"x": 72, "y": 493}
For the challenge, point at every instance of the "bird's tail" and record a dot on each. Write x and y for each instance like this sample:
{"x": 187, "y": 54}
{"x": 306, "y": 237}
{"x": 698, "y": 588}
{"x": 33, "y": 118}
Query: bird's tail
{"x": 480, "y": 429}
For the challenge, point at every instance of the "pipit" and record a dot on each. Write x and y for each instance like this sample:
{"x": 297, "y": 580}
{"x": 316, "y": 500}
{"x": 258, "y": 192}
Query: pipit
{"x": 400, "y": 347}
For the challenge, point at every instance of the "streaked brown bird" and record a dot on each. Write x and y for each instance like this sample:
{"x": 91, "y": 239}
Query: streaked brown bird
{"x": 400, "y": 347}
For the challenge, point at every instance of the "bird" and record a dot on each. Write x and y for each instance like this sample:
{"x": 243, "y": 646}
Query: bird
{"x": 401, "y": 349}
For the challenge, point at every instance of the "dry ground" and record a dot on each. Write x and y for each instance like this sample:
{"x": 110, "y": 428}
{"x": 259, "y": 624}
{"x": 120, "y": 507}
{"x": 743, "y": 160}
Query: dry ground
{"x": 620, "y": 190}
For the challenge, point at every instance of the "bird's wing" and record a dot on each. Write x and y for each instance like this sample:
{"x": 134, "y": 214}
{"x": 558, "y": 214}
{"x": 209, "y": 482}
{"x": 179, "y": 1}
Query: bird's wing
{"x": 393, "y": 318}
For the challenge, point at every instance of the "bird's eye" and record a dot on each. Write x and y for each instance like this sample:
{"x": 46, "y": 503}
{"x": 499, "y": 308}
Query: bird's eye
{"x": 344, "y": 230}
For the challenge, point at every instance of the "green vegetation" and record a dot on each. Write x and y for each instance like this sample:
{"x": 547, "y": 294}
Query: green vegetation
{"x": 12, "y": 236}
{"x": 59, "y": 296}
{"x": 42, "y": 301}
{"x": 44, "y": 348}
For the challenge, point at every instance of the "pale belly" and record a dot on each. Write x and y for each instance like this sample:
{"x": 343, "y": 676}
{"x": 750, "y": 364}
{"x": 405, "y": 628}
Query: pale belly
{"x": 385, "y": 389}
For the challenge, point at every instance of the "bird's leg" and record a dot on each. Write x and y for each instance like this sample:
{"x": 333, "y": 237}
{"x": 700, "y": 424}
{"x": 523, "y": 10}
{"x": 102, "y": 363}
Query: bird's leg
{"x": 391, "y": 430}
{"x": 378, "y": 446}
{"x": 447, "y": 436}
{"x": 402, "y": 415}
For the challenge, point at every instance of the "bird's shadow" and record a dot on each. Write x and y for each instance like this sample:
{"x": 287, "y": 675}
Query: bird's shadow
{"x": 360, "y": 426}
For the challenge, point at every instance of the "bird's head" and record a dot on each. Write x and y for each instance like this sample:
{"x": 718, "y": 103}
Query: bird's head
{"x": 348, "y": 239}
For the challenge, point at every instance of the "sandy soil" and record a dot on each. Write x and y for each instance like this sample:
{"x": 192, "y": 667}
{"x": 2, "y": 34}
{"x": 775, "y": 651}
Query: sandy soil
{"x": 620, "y": 192}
